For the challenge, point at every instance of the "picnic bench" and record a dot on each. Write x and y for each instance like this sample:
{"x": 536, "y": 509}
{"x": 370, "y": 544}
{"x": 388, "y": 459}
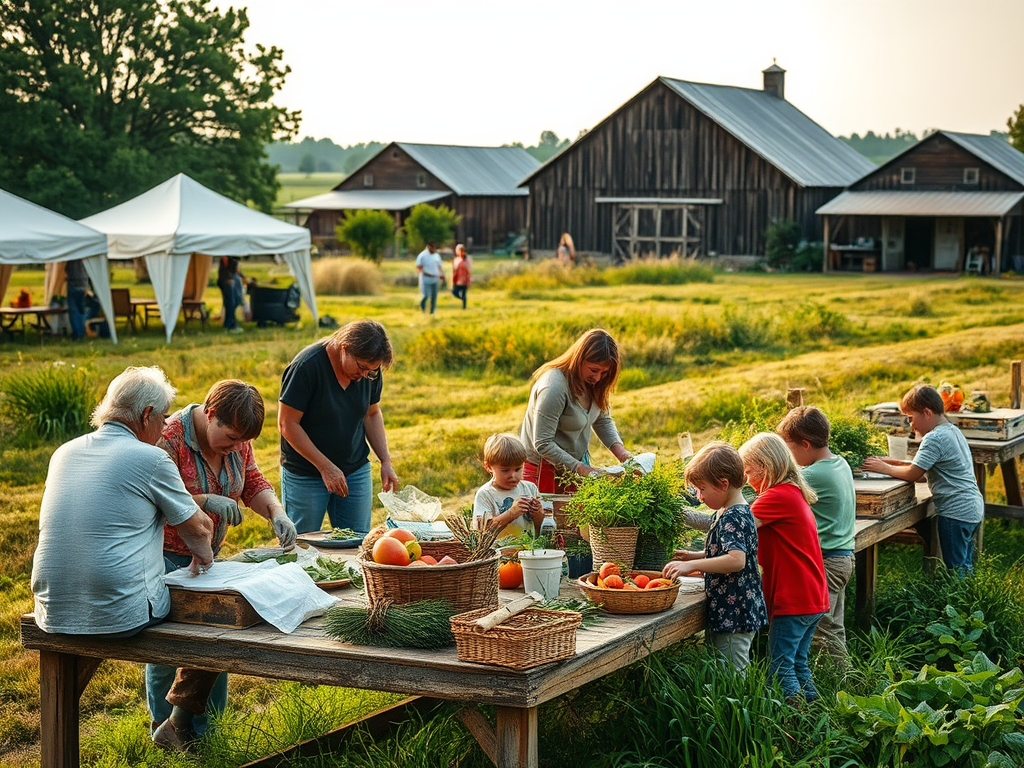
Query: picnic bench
{"x": 67, "y": 662}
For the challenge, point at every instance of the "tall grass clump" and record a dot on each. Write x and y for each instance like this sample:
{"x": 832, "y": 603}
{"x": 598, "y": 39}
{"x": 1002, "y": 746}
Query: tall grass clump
{"x": 53, "y": 402}
{"x": 675, "y": 270}
{"x": 516, "y": 349}
{"x": 692, "y": 709}
{"x": 909, "y": 604}
{"x": 346, "y": 276}
{"x": 546, "y": 275}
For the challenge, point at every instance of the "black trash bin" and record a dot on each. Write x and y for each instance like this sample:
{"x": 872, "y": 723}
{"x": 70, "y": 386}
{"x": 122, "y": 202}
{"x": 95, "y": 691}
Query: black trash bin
{"x": 274, "y": 305}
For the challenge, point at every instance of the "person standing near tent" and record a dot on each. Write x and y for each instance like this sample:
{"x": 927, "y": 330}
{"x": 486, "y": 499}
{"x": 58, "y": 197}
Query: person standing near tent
{"x": 78, "y": 285}
{"x": 229, "y": 280}
{"x": 329, "y": 417}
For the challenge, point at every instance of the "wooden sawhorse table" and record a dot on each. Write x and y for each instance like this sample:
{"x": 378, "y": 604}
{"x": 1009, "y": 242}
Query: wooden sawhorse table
{"x": 67, "y": 663}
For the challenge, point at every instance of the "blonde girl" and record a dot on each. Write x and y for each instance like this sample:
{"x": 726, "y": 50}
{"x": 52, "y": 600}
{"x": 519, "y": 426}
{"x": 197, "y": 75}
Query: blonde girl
{"x": 792, "y": 569}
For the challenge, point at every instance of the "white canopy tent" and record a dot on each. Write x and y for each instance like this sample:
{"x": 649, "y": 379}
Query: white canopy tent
{"x": 31, "y": 234}
{"x": 180, "y": 218}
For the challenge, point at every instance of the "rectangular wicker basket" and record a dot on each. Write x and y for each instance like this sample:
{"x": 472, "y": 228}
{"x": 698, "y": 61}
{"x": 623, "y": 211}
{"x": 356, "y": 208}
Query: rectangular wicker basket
{"x": 528, "y": 639}
{"x": 467, "y": 586}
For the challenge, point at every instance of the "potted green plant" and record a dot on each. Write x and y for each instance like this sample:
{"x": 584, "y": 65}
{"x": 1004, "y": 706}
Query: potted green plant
{"x": 611, "y": 506}
{"x": 542, "y": 565}
{"x": 662, "y": 522}
{"x": 578, "y": 555}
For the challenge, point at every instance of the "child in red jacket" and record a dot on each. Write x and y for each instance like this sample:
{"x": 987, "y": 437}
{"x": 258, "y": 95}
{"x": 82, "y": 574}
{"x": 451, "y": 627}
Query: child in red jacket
{"x": 793, "y": 572}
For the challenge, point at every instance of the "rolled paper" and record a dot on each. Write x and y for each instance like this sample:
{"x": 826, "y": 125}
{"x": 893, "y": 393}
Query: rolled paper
{"x": 506, "y": 612}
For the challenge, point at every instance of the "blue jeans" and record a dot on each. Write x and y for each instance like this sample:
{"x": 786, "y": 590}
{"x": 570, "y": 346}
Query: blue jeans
{"x": 789, "y": 642}
{"x": 429, "y": 291}
{"x": 230, "y": 297}
{"x": 306, "y": 499}
{"x": 160, "y": 678}
{"x": 957, "y": 541}
{"x": 76, "y": 311}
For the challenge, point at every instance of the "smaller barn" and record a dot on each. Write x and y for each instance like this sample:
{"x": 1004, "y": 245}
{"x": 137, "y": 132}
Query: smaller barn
{"x": 951, "y": 202}
{"x": 481, "y": 184}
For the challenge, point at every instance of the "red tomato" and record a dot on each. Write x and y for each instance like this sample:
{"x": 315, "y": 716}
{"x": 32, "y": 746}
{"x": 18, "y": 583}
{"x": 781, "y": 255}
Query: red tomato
{"x": 510, "y": 575}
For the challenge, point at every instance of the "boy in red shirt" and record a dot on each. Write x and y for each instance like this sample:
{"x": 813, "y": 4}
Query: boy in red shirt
{"x": 792, "y": 569}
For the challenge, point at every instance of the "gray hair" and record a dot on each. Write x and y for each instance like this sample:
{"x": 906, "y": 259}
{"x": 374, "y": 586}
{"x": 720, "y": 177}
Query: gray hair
{"x": 131, "y": 392}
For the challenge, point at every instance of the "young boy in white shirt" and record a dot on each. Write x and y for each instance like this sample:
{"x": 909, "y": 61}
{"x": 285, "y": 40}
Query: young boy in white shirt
{"x": 507, "y": 501}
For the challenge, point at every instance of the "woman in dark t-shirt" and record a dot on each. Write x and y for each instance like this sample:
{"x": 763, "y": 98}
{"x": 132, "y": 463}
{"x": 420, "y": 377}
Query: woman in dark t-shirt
{"x": 329, "y": 417}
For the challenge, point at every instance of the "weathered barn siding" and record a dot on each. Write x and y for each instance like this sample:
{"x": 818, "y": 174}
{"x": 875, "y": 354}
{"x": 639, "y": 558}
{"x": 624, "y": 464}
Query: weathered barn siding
{"x": 939, "y": 164}
{"x": 658, "y": 145}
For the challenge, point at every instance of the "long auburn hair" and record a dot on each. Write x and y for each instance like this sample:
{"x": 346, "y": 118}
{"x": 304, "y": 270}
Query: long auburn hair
{"x": 594, "y": 346}
{"x": 769, "y": 453}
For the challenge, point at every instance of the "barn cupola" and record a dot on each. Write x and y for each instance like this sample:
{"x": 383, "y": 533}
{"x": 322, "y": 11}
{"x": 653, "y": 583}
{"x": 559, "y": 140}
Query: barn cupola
{"x": 775, "y": 80}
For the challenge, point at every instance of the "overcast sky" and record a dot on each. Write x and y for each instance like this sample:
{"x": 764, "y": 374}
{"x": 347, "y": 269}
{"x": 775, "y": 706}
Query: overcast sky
{"x": 489, "y": 72}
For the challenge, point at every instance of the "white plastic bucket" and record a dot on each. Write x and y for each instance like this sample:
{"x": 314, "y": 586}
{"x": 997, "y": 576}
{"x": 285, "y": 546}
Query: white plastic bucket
{"x": 542, "y": 571}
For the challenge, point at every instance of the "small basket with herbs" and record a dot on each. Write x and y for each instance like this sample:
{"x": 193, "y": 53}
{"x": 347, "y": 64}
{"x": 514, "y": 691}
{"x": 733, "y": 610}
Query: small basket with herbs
{"x": 469, "y": 582}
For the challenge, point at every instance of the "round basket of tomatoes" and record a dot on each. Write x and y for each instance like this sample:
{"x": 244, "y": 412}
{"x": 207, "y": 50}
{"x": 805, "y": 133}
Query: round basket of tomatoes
{"x": 635, "y": 592}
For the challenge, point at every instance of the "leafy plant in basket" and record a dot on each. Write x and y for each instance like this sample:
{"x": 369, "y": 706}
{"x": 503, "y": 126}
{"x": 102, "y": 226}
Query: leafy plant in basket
{"x": 613, "y": 507}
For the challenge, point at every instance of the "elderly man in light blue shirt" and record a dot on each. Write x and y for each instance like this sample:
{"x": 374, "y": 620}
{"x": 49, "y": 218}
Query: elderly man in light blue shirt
{"x": 98, "y": 568}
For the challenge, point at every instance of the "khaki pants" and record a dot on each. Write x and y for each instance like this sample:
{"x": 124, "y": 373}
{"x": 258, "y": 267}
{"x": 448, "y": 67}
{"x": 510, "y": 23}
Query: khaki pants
{"x": 831, "y": 634}
{"x": 735, "y": 646}
{"x": 191, "y": 689}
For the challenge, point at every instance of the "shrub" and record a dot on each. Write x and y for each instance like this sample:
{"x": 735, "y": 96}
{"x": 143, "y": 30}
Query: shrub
{"x": 54, "y": 402}
{"x": 910, "y": 604}
{"x": 675, "y": 270}
{"x": 367, "y": 233}
{"x": 808, "y": 257}
{"x": 346, "y": 277}
{"x": 919, "y": 306}
{"x": 427, "y": 224}
{"x": 780, "y": 242}
{"x": 937, "y": 718}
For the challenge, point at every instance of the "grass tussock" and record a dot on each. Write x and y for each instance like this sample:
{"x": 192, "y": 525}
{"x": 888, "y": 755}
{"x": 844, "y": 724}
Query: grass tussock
{"x": 346, "y": 276}
{"x": 522, "y": 279}
{"x": 54, "y": 402}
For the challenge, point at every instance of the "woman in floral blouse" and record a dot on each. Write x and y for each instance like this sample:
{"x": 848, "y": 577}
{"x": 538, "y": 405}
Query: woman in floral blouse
{"x": 211, "y": 444}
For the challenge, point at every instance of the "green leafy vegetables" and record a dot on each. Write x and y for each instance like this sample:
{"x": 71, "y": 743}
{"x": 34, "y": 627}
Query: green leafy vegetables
{"x": 423, "y": 624}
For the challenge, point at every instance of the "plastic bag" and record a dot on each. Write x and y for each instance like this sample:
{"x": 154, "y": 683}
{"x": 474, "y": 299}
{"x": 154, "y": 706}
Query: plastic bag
{"x": 410, "y": 504}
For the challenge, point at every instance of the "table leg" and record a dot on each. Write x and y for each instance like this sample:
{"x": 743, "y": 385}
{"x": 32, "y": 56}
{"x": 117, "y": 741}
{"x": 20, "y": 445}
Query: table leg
{"x": 928, "y": 529}
{"x": 62, "y": 678}
{"x": 1011, "y": 482}
{"x": 981, "y": 475}
{"x": 516, "y": 734}
{"x": 867, "y": 578}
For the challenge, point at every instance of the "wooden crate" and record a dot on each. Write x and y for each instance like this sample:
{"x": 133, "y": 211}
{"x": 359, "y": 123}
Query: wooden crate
{"x": 1000, "y": 424}
{"x": 225, "y": 608}
{"x": 881, "y": 498}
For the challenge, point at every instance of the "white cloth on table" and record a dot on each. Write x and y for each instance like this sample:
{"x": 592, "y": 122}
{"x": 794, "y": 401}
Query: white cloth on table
{"x": 283, "y": 595}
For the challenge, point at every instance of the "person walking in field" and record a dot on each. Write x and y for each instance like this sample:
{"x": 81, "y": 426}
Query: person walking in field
{"x": 462, "y": 268}
{"x": 429, "y": 265}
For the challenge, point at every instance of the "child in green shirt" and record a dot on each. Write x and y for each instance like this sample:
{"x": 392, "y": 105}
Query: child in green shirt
{"x": 806, "y": 432}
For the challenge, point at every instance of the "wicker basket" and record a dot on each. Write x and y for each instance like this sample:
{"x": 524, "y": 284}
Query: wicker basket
{"x": 651, "y": 554}
{"x": 526, "y": 640}
{"x": 467, "y": 586}
{"x": 614, "y": 545}
{"x": 628, "y": 600}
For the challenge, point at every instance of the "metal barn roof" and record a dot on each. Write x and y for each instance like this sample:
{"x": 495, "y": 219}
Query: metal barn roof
{"x": 900, "y": 203}
{"x": 475, "y": 171}
{"x": 369, "y": 199}
{"x": 994, "y": 150}
{"x": 778, "y": 132}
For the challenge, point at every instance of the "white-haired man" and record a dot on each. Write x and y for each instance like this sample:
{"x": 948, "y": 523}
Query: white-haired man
{"x": 98, "y": 568}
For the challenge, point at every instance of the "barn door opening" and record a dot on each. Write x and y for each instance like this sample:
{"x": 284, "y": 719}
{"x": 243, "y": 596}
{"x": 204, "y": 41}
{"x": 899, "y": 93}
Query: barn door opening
{"x": 653, "y": 230}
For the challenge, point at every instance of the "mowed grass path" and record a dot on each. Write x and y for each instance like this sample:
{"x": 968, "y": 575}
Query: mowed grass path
{"x": 694, "y": 355}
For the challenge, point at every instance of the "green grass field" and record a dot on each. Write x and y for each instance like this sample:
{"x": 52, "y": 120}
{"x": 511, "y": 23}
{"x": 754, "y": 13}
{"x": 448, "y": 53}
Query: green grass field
{"x": 296, "y": 186}
{"x": 695, "y": 355}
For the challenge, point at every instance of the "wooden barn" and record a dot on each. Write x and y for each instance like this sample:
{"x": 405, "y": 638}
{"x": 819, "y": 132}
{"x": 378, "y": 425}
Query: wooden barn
{"x": 694, "y": 168}
{"x": 951, "y": 202}
{"x": 481, "y": 184}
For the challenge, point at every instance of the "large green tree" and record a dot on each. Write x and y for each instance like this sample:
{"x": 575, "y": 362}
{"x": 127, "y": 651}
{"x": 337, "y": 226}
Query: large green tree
{"x": 102, "y": 99}
{"x": 1016, "y": 127}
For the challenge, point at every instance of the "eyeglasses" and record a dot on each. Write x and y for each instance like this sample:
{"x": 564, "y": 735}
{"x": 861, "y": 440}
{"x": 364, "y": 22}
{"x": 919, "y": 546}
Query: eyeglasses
{"x": 367, "y": 371}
